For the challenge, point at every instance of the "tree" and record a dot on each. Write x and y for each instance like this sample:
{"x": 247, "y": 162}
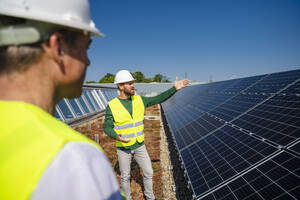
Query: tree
{"x": 160, "y": 78}
{"x": 108, "y": 78}
{"x": 157, "y": 78}
{"x": 139, "y": 77}
{"x": 147, "y": 80}
{"x": 165, "y": 80}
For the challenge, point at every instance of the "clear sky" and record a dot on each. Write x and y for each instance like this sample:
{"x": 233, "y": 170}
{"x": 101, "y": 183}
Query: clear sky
{"x": 221, "y": 39}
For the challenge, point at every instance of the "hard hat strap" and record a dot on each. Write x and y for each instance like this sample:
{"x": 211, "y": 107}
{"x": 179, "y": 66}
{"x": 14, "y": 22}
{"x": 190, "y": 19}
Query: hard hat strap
{"x": 27, "y": 33}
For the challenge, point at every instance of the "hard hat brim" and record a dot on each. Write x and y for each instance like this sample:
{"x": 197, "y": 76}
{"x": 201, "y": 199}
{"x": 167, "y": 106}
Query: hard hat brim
{"x": 123, "y": 81}
{"x": 62, "y": 21}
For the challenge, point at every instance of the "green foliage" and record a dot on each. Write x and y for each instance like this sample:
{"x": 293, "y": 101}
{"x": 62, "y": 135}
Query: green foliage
{"x": 147, "y": 80}
{"x": 108, "y": 78}
{"x": 139, "y": 78}
{"x": 157, "y": 78}
{"x": 165, "y": 80}
{"x": 160, "y": 78}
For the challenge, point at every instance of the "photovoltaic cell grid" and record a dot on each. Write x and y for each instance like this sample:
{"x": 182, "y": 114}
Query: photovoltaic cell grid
{"x": 65, "y": 109}
{"x": 236, "y": 105}
{"x": 274, "y": 82}
{"x": 211, "y": 96}
{"x": 217, "y": 87}
{"x": 222, "y": 155}
{"x": 295, "y": 147}
{"x": 276, "y": 179}
{"x": 277, "y": 119}
{"x": 262, "y": 110}
{"x": 243, "y": 84}
{"x": 102, "y": 98}
{"x": 110, "y": 93}
{"x": 196, "y": 130}
{"x": 210, "y": 101}
{"x": 292, "y": 90}
{"x": 92, "y": 100}
{"x": 84, "y": 105}
{"x": 75, "y": 107}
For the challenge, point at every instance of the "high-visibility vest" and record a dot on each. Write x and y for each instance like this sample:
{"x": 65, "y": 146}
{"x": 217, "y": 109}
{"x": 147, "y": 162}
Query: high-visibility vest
{"x": 29, "y": 140}
{"x": 130, "y": 127}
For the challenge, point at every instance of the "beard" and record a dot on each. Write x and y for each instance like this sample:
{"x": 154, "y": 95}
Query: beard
{"x": 129, "y": 92}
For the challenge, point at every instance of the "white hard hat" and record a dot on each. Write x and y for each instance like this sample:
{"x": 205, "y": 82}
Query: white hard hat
{"x": 72, "y": 14}
{"x": 123, "y": 76}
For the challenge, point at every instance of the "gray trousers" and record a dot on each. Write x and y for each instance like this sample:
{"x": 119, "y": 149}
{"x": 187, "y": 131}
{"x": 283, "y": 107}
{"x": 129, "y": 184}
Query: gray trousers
{"x": 142, "y": 158}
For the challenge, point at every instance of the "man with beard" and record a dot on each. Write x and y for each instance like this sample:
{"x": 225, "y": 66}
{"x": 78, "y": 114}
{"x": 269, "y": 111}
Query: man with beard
{"x": 124, "y": 122}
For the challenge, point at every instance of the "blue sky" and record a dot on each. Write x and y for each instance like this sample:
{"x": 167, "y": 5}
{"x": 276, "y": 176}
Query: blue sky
{"x": 221, "y": 39}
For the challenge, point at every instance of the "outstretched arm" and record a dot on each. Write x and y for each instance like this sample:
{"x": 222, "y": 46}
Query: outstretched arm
{"x": 150, "y": 101}
{"x": 181, "y": 84}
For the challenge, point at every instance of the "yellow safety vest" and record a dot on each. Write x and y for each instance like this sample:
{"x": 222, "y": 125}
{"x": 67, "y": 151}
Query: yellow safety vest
{"x": 130, "y": 127}
{"x": 29, "y": 140}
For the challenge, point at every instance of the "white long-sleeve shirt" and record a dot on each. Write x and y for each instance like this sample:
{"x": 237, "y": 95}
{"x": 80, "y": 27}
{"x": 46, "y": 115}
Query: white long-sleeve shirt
{"x": 80, "y": 171}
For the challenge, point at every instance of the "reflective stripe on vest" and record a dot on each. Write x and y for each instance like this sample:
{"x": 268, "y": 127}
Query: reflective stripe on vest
{"x": 30, "y": 138}
{"x": 132, "y": 135}
{"x": 130, "y": 127}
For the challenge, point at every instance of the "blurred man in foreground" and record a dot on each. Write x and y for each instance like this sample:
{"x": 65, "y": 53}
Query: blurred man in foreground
{"x": 43, "y": 58}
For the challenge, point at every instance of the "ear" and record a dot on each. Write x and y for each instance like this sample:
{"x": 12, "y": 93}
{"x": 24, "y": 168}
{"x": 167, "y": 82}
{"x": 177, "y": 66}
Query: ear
{"x": 55, "y": 47}
{"x": 121, "y": 86}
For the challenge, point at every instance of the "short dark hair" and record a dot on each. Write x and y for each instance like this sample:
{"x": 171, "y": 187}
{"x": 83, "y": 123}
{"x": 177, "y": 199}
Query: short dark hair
{"x": 18, "y": 58}
{"x": 69, "y": 36}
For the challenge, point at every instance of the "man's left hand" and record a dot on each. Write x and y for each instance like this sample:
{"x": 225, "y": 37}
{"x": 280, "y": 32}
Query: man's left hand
{"x": 181, "y": 84}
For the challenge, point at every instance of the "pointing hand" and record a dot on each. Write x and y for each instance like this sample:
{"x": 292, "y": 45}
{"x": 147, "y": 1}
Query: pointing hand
{"x": 181, "y": 84}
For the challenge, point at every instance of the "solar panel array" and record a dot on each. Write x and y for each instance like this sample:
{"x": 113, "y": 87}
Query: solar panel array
{"x": 93, "y": 100}
{"x": 240, "y": 139}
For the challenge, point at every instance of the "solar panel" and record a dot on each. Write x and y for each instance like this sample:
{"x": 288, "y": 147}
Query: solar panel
{"x": 295, "y": 147}
{"x": 293, "y": 89}
{"x": 236, "y": 105}
{"x": 83, "y": 104}
{"x": 209, "y": 101}
{"x": 277, "y": 119}
{"x": 275, "y": 178}
{"x": 226, "y": 130}
{"x": 110, "y": 93}
{"x": 188, "y": 115}
{"x": 91, "y": 101}
{"x": 222, "y": 155}
{"x": 274, "y": 82}
{"x": 222, "y": 85}
{"x": 66, "y": 111}
{"x": 243, "y": 84}
{"x": 102, "y": 98}
{"x": 197, "y": 130}
{"x": 75, "y": 107}
{"x": 57, "y": 115}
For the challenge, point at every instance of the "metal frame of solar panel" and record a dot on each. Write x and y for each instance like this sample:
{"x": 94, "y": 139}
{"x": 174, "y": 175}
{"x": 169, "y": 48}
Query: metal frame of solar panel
{"x": 240, "y": 139}
{"x": 92, "y": 102}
